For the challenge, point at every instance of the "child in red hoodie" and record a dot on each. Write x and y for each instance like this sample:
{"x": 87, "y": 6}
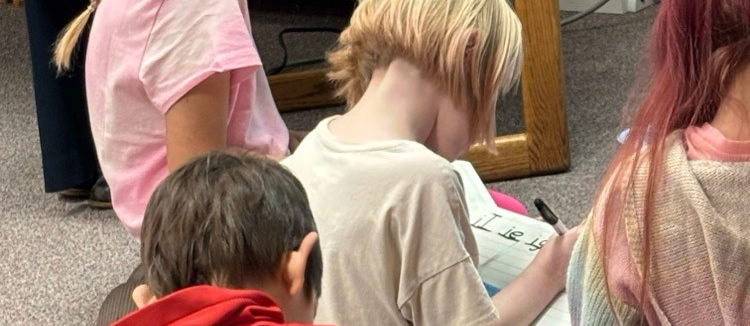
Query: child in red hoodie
{"x": 228, "y": 240}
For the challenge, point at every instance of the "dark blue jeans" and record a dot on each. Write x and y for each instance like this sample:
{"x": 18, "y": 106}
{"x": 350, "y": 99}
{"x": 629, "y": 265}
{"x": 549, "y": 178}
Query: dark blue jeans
{"x": 68, "y": 154}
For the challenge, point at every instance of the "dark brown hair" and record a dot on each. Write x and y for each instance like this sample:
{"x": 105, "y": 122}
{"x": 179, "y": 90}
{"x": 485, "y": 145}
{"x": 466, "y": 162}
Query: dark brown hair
{"x": 225, "y": 220}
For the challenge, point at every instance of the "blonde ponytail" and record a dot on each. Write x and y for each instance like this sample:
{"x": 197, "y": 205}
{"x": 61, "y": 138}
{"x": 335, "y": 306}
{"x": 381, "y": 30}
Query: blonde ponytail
{"x": 68, "y": 39}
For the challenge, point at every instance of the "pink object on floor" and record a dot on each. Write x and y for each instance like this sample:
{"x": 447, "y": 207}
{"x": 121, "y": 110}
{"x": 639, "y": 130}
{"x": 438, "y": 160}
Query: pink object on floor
{"x": 508, "y": 203}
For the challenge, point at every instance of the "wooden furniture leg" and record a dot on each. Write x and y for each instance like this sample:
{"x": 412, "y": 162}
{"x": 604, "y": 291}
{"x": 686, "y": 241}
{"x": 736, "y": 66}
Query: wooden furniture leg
{"x": 543, "y": 147}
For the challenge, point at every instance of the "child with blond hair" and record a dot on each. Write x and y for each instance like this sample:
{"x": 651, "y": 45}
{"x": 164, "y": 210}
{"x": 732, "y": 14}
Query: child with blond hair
{"x": 422, "y": 79}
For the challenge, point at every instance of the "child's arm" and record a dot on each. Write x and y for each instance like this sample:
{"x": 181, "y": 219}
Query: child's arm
{"x": 197, "y": 122}
{"x": 521, "y": 302}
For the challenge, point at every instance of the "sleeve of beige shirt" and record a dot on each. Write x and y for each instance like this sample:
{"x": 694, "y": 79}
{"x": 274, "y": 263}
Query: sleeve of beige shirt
{"x": 455, "y": 296}
{"x": 440, "y": 281}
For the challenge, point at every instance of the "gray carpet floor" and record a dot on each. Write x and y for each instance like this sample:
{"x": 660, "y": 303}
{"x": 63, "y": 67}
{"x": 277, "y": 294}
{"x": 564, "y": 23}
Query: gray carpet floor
{"x": 59, "y": 258}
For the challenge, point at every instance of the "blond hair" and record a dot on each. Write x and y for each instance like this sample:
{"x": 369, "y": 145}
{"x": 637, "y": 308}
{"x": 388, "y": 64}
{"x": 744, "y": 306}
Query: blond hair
{"x": 434, "y": 35}
{"x": 69, "y": 36}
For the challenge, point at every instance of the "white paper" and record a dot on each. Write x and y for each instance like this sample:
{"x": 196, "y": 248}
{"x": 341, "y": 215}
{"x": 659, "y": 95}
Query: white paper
{"x": 507, "y": 242}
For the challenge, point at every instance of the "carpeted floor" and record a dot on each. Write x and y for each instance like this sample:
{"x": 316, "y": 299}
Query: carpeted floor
{"x": 60, "y": 258}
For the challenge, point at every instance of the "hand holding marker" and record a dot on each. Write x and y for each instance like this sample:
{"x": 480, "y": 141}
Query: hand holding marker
{"x": 550, "y": 217}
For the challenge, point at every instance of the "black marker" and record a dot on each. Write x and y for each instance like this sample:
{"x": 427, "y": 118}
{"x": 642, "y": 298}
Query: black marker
{"x": 550, "y": 217}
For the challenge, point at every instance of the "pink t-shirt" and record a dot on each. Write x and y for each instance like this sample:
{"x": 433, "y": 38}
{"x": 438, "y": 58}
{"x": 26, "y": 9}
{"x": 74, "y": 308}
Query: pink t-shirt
{"x": 708, "y": 143}
{"x": 144, "y": 55}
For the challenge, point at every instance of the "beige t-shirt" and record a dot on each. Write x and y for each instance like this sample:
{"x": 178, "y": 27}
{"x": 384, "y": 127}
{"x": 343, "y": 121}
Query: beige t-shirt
{"x": 397, "y": 245}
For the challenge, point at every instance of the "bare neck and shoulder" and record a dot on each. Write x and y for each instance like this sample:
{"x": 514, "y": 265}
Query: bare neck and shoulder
{"x": 401, "y": 103}
{"x": 733, "y": 116}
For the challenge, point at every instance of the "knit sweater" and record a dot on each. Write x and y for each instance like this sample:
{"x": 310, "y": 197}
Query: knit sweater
{"x": 700, "y": 251}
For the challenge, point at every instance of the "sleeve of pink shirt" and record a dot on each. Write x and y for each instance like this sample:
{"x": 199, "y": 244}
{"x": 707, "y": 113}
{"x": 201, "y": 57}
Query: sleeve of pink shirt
{"x": 192, "y": 40}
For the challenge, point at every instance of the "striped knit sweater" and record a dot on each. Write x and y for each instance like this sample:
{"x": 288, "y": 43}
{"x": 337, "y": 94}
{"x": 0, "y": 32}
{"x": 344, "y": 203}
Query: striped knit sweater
{"x": 700, "y": 251}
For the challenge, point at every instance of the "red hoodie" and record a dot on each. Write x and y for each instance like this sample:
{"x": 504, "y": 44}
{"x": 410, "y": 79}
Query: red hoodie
{"x": 208, "y": 306}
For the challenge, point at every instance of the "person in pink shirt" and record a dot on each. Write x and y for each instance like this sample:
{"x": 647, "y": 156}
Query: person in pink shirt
{"x": 168, "y": 80}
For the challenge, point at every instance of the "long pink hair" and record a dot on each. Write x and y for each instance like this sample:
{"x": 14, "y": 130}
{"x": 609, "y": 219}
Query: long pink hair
{"x": 695, "y": 49}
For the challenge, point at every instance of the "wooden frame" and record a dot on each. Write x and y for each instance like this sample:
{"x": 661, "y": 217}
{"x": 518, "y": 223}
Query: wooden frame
{"x": 541, "y": 149}
{"x": 301, "y": 90}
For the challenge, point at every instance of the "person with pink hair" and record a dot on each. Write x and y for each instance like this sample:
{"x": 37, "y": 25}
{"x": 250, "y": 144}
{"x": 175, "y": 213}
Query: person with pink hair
{"x": 668, "y": 238}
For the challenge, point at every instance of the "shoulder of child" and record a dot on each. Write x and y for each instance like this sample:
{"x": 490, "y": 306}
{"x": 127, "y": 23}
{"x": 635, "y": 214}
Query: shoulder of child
{"x": 423, "y": 166}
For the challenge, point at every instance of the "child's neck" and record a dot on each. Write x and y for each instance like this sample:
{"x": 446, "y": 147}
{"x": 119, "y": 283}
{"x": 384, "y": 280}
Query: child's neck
{"x": 399, "y": 103}
{"x": 733, "y": 116}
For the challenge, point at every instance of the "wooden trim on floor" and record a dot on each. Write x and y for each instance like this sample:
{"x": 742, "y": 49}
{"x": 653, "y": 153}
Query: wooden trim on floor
{"x": 301, "y": 90}
{"x": 511, "y": 161}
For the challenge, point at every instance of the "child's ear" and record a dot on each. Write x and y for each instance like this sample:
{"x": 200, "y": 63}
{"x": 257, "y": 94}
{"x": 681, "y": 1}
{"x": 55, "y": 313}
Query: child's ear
{"x": 295, "y": 264}
{"x": 471, "y": 44}
{"x": 471, "y": 48}
{"x": 142, "y": 296}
